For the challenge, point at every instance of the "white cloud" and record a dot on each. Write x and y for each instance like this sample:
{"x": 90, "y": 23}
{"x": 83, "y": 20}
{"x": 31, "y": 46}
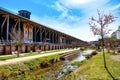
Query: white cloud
{"x": 65, "y": 16}
{"x": 81, "y": 28}
{"x": 115, "y": 7}
{"x": 62, "y": 9}
{"x": 83, "y": 4}
{"x": 75, "y": 3}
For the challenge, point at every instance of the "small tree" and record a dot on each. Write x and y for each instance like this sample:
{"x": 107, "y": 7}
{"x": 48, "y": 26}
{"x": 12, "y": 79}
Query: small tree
{"x": 110, "y": 43}
{"x": 99, "y": 27}
{"x": 17, "y": 37}
{"x": 113, "y": 41}
{"x": 98, "y": 45}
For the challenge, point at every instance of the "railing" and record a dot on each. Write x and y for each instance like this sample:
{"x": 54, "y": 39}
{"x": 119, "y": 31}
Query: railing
{"x": 4, "y": 42}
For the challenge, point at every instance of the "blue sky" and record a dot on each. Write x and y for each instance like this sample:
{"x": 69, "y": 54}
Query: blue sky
{"x": 68, "y": 16}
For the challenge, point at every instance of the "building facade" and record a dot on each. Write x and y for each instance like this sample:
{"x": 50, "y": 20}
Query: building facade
{"x": 116, "y": 34}
{"x": 33, "y": 36}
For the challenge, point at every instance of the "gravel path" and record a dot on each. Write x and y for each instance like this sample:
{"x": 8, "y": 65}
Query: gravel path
{"x": 12, "y": 61}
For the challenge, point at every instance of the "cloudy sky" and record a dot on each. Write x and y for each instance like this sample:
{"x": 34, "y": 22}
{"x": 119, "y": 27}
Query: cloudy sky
{"x": 68, "y": 16}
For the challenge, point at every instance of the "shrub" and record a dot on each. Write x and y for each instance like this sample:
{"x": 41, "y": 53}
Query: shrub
{"x": 118, "y": 51}
{"x": 94, "y": 53}
{"x": 82, "y": 49}
{"x": 78, "y": 63}
{"x": 87, "y": 56}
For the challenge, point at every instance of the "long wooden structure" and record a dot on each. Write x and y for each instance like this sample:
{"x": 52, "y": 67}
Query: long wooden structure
{"x": 35, "y": 36}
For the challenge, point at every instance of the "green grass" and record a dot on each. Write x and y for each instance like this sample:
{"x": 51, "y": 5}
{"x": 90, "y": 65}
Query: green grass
{"x": 29, "y": 54}
{"x": 21, "y": 71}
{"x": 36, "y": 62}
{"x": 94, "y": 69}
{"x": 78, "y": 63}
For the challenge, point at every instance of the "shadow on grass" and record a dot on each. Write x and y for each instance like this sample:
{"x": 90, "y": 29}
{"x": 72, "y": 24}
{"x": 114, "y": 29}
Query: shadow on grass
{"x": 110, "y": 74}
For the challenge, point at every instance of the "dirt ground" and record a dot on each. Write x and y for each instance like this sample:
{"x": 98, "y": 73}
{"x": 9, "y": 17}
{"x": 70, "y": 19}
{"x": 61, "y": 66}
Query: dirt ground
{"x": 116, "y": 57}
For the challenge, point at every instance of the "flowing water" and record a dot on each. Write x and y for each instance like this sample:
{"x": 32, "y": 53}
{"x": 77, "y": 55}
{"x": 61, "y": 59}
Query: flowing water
{"x": 81, "y": 57}
{"x": 64, "y": 68}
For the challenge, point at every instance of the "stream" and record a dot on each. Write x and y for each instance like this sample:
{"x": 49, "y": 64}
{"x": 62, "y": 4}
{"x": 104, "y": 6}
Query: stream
{"x": 63, "y": 68}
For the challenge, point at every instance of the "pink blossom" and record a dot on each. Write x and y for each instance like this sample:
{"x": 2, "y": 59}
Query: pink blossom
{"x": 103, "y": 21}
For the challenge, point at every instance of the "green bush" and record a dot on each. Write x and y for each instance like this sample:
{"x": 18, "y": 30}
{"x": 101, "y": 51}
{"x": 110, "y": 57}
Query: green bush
{"x": 87, "y": 56}
{"x": 94, "y": 53}
{"x": 78, "y": 63}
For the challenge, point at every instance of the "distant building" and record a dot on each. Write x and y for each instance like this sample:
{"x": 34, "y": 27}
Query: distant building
{"x": 116, "y": 34}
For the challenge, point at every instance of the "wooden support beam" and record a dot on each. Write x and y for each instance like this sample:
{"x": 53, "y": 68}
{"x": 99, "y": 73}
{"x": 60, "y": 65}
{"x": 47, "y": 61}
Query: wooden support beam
{"x": 16, "y": 24}
{"x": 7, "y": 37}
{"x": 19, "y": 24}
{"x": 41, "y": 32}
{"x": 53, "y": 38}
{"x": 49, "y": 36}
{"x": 56, "y": 38}
{"x": 46, "y": 35}
{"x": 35, "y": 33}
{"x": 3, "y": 24}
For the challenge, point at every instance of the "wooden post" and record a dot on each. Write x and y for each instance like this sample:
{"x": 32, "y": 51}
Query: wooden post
{"x": 35, "y": 34}
{"x": 7, "y": 37}
{"x": 2, "y": 27}
{"x": 3, "y": 23}
{"x": 41, "y": 32}
{"x": 56, "y": 38}
{"x": 53, "y": 38}
{"x": 49, "y": 37}
{"x": 46, "y": 35}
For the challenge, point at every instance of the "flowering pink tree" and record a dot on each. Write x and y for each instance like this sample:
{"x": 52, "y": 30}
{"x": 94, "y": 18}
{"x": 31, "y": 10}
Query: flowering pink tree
{"x": 99, "y": 27}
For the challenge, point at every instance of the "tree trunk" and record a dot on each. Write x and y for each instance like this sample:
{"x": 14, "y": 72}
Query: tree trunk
{"x": 108, "y": 50}
{"x": 18, "y": 50}
{"x": 18, "y": 54}
{"x": 103, "y": 51}
{"x": 113, "y": 51}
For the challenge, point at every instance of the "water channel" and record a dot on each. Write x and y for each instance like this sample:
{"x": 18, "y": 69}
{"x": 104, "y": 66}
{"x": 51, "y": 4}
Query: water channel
{"x": 63, "y": 68}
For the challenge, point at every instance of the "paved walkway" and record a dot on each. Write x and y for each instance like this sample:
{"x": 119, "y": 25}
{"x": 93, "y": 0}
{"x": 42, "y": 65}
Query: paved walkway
{"x": 12, "y": 61}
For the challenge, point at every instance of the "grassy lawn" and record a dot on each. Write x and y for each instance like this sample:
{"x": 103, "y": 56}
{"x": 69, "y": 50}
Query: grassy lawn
{"x": 93, "y": 69}
{"x": 23, "y": 70}
{"x": 30, "y": 54}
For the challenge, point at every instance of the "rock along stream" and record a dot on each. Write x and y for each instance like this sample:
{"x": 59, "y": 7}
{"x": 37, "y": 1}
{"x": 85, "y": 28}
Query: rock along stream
{"x": 62, "y": 68}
